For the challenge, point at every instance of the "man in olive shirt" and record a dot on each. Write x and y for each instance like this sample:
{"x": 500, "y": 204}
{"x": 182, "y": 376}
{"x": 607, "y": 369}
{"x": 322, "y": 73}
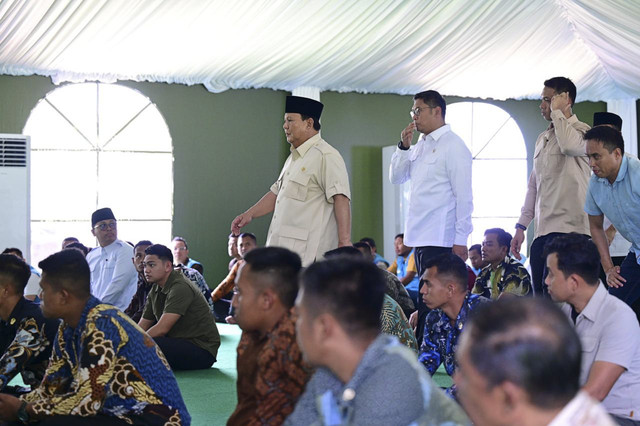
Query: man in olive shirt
{"x": 176, "y": 314}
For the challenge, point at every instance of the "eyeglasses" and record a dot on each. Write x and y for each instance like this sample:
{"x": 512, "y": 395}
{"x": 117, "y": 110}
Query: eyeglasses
{"x": 415, "y": 112}
{"x": 105, "y": 226}
{"x": 180, "y": 249}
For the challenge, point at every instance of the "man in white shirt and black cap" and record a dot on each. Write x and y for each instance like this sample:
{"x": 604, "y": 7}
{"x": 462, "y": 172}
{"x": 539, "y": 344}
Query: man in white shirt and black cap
{"x": 113, "y": 277}
{"x": 310, "y": 200}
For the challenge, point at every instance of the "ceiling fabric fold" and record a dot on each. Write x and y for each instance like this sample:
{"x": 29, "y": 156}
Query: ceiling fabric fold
{"x": 486, "y": 49}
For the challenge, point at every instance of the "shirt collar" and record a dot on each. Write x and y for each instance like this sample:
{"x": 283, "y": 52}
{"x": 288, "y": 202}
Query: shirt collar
{"x": 306, "y": 145}
{"x": 593, "y": 306}
{"x": 172, "y": 278}
{"x": 436, "y": 134}
{"x": 15, "y": 313}
{"x": 111, "y": 247}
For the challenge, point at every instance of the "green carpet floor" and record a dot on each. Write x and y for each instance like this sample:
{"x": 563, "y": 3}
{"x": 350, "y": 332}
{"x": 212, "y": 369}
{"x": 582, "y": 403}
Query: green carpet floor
{"x": 210, "y": 395}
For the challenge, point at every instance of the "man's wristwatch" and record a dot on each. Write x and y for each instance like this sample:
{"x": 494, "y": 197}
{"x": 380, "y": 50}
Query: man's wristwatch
{"x": 401, "y": 146}
{"x": 519, "y": 226}
{"x": 23, "y": 414}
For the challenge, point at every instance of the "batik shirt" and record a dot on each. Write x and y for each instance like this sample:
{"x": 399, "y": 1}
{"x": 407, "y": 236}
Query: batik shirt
{"x": 509, "y": 277}
{"x": 440, "y": 339}
{"x": 139, "y": 299}
{"x": 394, "y": 322}
{"x": 271, "y": 375}
{"x": 197, "y": 278}
{"x": 25, "y": 343}
{"x": 108, "y": 365}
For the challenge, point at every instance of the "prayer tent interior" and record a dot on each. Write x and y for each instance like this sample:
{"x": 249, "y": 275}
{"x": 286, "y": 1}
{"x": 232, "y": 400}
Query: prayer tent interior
{"x": 218, "y": 73}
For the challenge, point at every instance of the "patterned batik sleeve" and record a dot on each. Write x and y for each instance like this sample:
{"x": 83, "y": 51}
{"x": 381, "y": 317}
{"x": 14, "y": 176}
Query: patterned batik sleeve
{"x": 28, "y": 344}
{"x": 518, "y": 282}
{"x": 429, "y": 354}
{"x": 95, "y": 370}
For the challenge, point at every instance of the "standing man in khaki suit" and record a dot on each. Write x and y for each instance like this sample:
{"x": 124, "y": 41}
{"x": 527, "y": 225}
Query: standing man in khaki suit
{"x": 558, "y": 182}
{"x": 310, "y": 200}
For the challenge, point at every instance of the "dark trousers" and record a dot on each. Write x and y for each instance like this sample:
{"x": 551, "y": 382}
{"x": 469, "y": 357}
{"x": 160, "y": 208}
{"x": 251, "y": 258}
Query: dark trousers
{"x": 539, "y": 264}
{"x": 630, "y": 292}
{"x": 184, "y": 355}
{"x": 422, "y": 255}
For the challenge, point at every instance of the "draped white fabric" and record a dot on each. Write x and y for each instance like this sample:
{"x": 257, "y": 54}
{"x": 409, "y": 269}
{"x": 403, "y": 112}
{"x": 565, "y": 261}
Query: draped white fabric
{"x": 478, "y": 48}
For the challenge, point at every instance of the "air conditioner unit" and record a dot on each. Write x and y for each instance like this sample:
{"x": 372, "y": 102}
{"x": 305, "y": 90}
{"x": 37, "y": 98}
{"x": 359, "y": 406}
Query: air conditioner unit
{"x": 15, "y": 198}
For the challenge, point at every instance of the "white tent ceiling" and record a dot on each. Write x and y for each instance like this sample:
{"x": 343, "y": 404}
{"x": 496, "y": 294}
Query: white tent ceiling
{"x": 479, "y": 48}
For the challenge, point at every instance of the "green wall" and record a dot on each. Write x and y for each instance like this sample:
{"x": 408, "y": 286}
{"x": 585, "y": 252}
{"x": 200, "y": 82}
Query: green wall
{"x": 229, "y": 148}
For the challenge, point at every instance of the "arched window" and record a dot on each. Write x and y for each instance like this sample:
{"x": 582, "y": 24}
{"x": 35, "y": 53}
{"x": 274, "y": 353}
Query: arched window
{"x": 98, "y": 145}
{"x": 499, "y": 164}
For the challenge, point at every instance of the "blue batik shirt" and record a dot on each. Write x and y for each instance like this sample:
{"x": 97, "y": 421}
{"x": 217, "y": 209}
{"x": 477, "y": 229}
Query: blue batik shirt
{"x": 620, "y": 201}
{"x": 441, "y": 337}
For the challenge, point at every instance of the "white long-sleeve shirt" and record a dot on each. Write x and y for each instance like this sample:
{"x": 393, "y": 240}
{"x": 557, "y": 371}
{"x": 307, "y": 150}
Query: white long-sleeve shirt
{"x": 441, "y": 200}
{"x": 114, "y": 279}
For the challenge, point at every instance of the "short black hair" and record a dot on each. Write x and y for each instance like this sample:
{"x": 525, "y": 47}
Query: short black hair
{"x": 161, "y": 251}
{"x": 451, "y": 265}
{"x": 401, "y": 235}
{"x": 69, "y": 270}
{"x": 142, "y": 243}
{"x": 282, "y": 266}
{"x": 562, "y": 84}
{"x": 15, "y": 271}
{"x": 576, "y": 254}
{"x": 347, "y": 251}
{"x": 368, "y": 240}
{"x": 316, "y": 121}
{"x": 78, "y": 246}
{"x": 434, "y": 99}
{"x": 529, "y": 342}
{"x": 609, "y": 137}
{"x": 232, "y": 235}
{"x": 248, "y": 235}
{"x": 351, "y": 290}
{"x": 12, "y": 250}
{"x": 476, "y": 247}
{"x": 361, "y": 245}
{"x": 503, "y": 237}
{"x": 74, "y": 239}
{"x": 182, "y": 240}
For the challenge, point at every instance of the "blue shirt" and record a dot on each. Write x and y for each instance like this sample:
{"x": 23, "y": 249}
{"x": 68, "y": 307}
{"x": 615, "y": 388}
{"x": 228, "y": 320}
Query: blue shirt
{"x": 620, "y": 201}
{"x": 403, "y": 263}
{"x": 441, "y": 337}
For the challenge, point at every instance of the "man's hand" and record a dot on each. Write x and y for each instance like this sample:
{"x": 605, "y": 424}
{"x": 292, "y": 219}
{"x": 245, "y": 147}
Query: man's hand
{"x": 516, "y": 243}
{"x": 413, "y": 320}
{"x": 461, "y": 251}
{"x": 561, "y": 102}
{"x": 346, "y": 243}
{"x": 406, "y": 136}
{"x": 240, "y": 221}
{"x": 9, "y": 406}
{"x": 614, "y": 279}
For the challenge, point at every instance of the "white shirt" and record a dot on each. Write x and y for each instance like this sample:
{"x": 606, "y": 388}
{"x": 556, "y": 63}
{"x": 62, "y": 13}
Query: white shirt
{"x": 113, "y": 277}
{"x": 609, "y": 331}
{"x": 441, "y": 199}
{"x": 33, "y": 286}
{"x": 582, "y": 410}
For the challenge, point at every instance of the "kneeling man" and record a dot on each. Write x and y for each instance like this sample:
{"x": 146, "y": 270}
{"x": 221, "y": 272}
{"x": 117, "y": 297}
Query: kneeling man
{"x": 363, "y": 377}
{"x": 176, "y": 314}
{"x": 103, "y": 369}
{"x": 271, "y": 373}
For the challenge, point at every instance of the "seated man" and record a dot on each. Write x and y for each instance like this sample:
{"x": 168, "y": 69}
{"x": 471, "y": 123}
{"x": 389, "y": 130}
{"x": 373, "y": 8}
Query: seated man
{"x": 32, "y": 289}
{"x": 394, "y": 287}
{"x": 393, "y": 321}
{"x": 113, "y": 277}
{"x": 503, "y": 274}
{"x": 404, "y": 266}
{"x": 271, "y": 373}
{"x": 519, "y": 364}
{"x": 444, "y": 291}
{"x": 475, "y": 257}
{"x": 140, "y": 298}
{"x": 181, "y": 255}
{"x": 176, "y": 314}
{"x": 232, "y": 250}
{"x": 380, "y": 261}
{"x": 25, "y": 336}
{"x": 69, "y": 240}
{"x": 221, "y": 295}
{"x": 607, "y": 327}
{"x": 103, "y": 368}
{"x": 362, "y": 377}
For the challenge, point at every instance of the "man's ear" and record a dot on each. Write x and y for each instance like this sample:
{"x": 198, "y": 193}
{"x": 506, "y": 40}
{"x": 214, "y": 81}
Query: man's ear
{"x": 267, "y": 299}
{"x": 511, "y": 398}
{"x": 93, "y": 232}
{"x": 168, "y": 266}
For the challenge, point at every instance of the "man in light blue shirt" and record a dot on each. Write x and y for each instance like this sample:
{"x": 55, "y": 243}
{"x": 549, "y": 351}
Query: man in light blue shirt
{"x": 614, "y": 191}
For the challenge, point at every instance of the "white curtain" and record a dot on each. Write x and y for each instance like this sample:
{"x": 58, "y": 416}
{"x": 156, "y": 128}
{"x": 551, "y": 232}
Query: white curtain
{"x": 487, "y": 49}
